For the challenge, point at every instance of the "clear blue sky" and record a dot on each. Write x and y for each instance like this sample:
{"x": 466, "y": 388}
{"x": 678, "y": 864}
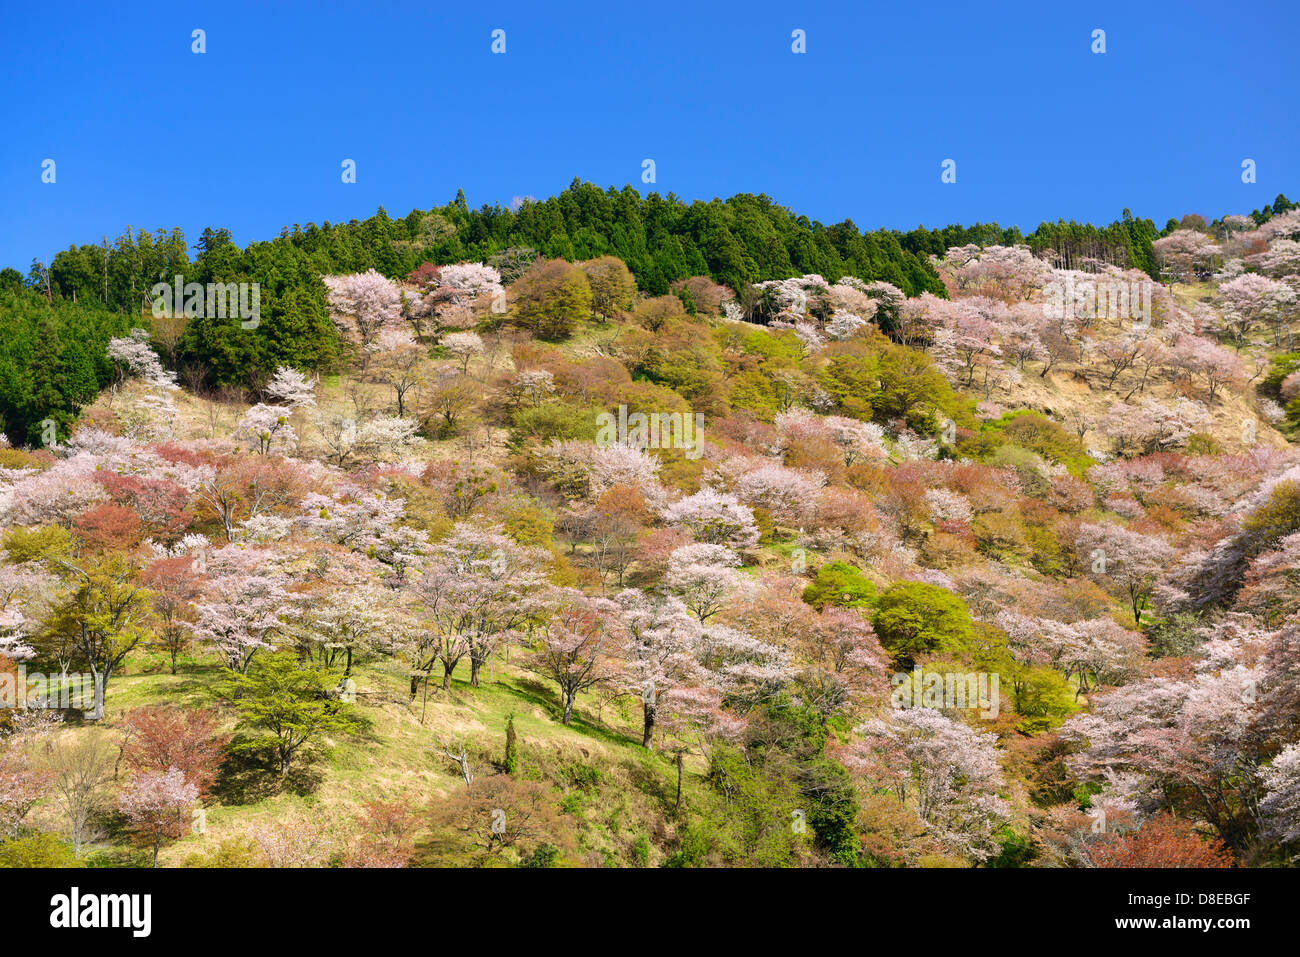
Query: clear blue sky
{"x": 251, "y": 134}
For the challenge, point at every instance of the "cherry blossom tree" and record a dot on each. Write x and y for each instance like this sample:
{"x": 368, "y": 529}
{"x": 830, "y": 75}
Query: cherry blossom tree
{"x": 289, "y": 387}
{"x": 1199, "y": 358}
{"x": 156, "y": 805}
{"x": 1280, "y": 806}
{"x": 463, "y": 347}
{"x": 1009, "y": 273}
{"x": 1195, "y": 741}
{"x": 1124, "y": 561}
{"x": 56, "y": 495}
{"x": 465, "y": 283}
{"x": 579, "y": 642}
{"x": 1150, "y": 425}
{"x": 659, "y": 655}
{"x": 175, "y": 583}
{"x": 480, "y": 586}
{"x": 366, "y": 303}
{"x": 842, "y": 659}
{"x": 1281, "y": 258}
{"x": 353, "y": 517}
{"x": 24, "y": 590}
{"x": 1163, "y": 841}
{"x": 1184, "y": 253}
{"x": 714, "y": 517}
{"x": 265, "y": 425}
{"x": 342, "y": 621}
{"x": 1251, "y": 299}
{"x": 704, "y": 576}
{"x": 946, "y": 770}
{"x": 585, "y": 469}
{"x": 244, "y": 490}
{"x": 162, "y": 739}
{"x": 24, "y": 781}
{"x": 789, "y": 495}
{"x": 1271, "y": 588}
{"x": 151, "y": 414}
{"x": 241, "y": 615}
{"x": 747, "y": 670}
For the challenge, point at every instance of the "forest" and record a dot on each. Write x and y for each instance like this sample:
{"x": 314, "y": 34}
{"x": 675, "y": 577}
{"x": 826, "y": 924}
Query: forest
{"x": 616, "y": 531}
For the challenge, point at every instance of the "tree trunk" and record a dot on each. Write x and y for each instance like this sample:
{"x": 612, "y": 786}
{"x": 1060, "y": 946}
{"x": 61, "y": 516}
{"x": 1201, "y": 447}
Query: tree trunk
{"x": 649, "y": 715}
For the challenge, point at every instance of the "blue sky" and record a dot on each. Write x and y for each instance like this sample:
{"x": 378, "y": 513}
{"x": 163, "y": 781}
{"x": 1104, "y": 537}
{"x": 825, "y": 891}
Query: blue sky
{"x": 251, "y": 134}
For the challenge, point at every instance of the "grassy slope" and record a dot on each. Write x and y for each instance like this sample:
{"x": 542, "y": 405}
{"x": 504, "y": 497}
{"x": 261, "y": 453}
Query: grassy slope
{"x": 400, "y": 756}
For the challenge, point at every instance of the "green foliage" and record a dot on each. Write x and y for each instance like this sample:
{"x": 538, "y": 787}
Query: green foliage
{"x": 755, "y": 392}
{"x": 511, "y": 764}
{"x": 780, "y": 346}
{"x": 53, "y": 361}
{"x": 750, "y": 819}
{"x": 291, "y": 705}
{"x": 544, "y": 855}
{"x": 551, "y": 420}
{"x": 1124, "y": 242}
{"x": 842, "y": 585}
{"x": 39, "y": 543}
{"x": 661, "y": 239}
{"x": 877, "y": 379}
{"x": 1043, "y": 698}
{"x": 1280, "y": 366}
{"x": 551, "y": 300}
{"x": 1027, "y": 429}
{"x": 1174, "y": 636}
{"x": 1016, "y": 849}
{"x": 230, "y": 853}
{"x": 528, "y": 524}
{"x": 36, "y": 850}
{"x": 689, "y": 366}
{"x": 914, "y": 618}
{"x": 1278, "y": 517}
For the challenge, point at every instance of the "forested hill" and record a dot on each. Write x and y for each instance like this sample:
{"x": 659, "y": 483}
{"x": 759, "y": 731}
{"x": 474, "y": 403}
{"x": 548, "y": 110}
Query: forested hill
{"x": 94, "y": 288}
{"x": 736, "y": 241}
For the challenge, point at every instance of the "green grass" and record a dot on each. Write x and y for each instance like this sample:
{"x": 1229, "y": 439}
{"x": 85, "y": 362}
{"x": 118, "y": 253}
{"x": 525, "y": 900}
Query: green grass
{"x": 609, "y": 786}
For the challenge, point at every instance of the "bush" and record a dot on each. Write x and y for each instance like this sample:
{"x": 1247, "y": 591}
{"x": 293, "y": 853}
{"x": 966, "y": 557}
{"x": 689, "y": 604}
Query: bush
{"x": 553, "y": 420}
{"x": 914, "y": 618}
{"x": 842, "y": 585}
{"x": 551, "y": 299}
{"x": 36, "y": 850}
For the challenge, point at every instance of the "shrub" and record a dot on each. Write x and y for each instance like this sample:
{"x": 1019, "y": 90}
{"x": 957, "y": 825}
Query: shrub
{"x": 914, "y": 618}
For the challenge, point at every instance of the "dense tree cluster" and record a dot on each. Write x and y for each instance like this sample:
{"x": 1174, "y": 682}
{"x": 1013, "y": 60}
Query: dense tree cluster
{"x": 533, "y": 538}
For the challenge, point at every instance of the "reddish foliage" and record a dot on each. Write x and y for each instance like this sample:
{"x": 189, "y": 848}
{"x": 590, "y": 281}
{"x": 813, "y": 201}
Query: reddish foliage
{"x": 387, "y": 835}
{"x": 160, "y": 504}
{"x": 109, "y": 527}
{"x": 158, "y": 738}
{"x": 1163, "y": 841}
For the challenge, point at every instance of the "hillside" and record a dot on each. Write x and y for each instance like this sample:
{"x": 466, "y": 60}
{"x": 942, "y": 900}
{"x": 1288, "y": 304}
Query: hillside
{"x": 530, "y": 547}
